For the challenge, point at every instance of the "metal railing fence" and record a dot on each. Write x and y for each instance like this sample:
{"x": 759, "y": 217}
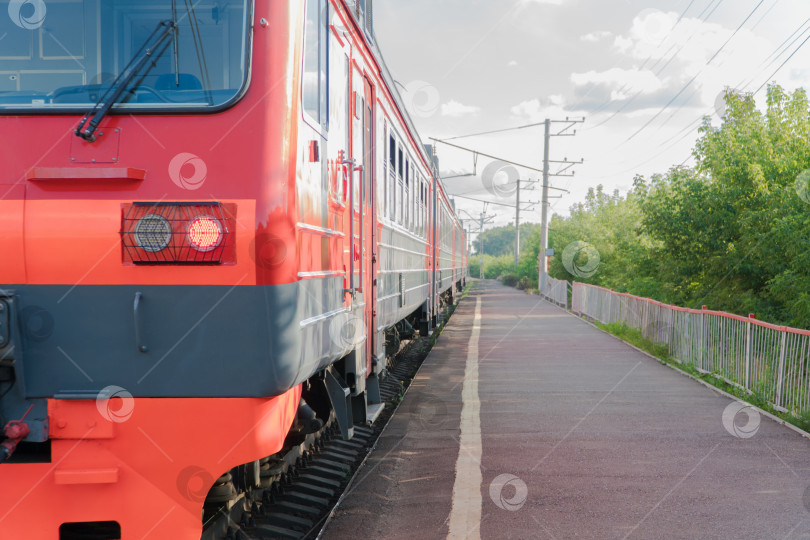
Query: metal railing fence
{"x": 770, "y": 360}
{"x": 556, "y": 290}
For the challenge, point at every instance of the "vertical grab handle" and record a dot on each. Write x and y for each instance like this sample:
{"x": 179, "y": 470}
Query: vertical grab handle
{"x": 362, "y": 230}
{"x": 136, "y": 312}
{"x": 350, "y": 163}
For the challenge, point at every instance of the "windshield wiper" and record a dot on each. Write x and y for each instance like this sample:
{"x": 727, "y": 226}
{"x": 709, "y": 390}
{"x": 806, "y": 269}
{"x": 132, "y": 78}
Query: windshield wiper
{"x": 86, "y": 130}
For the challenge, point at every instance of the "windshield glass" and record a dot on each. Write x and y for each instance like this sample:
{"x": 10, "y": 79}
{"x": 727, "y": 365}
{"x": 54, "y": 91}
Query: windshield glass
{"x": 64, "y": 54}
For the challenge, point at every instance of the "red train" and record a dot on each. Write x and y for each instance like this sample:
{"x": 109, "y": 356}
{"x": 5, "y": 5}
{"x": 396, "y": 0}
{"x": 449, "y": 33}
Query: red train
{"x": 207, "y": 211}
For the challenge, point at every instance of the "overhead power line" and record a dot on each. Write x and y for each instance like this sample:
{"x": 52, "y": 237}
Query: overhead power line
{"x": 692, "y": 80}
{"x": 723, "y": 46}
{"x": 706, "y": 9}
{"x": 485, "y": 155}
{"x": 643, "y": 64}
{"x": 713, "y": 10}
{"x": 783, "y": 64}
{"x": 774, "y": 56}
{"x": 767, "y": 12}
{"x": 684, "y": 11}
{"x": 675, "y": 55}
{"x": 493, "y": 131}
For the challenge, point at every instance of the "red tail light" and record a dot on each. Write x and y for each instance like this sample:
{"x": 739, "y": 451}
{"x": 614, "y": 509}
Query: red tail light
{"x": 205, "y": 233}
{"x": 178, "y": 233}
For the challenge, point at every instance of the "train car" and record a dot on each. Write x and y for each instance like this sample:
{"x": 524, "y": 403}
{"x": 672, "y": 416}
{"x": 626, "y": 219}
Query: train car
{"x": 212, "y": 217}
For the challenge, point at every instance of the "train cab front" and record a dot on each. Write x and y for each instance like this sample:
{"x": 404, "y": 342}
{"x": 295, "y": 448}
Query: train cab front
{"x": 143, "y": 222}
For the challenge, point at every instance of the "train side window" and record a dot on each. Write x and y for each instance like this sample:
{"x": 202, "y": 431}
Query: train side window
{"x": 342, "y": 188}
{"x": 431, "y": 212}
{"x": 423, "y": 215}
{"x": 411, "y": 195}
{"x": 417, "y": 202}
{"x": 411, "y": 191}
{"x": 392, "y": 173}
{"x": 412, "y": 188}
{"x": 406, "y": 217}
{"x": 418, "y": 205}
{"x": 359, "y": 145}
{"x": 316, "y": 61}
{"x": 417, "y": 188}
{"x": 425, "y": 211}
{"x": 414, "y": 197}
{"x": 359, "y": 151}
{"x": 400, "y": 165}
{"x": 385, "y": 172}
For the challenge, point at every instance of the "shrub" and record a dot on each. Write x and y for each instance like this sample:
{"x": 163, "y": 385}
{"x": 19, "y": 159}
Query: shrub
{"x": 526, "y": 283}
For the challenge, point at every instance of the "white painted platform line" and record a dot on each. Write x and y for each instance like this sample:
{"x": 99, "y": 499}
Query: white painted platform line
{"x": 465, "y": 515}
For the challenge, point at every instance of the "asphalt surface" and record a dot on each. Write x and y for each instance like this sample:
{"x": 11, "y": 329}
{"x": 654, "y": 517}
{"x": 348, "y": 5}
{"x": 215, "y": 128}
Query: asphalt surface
{"x": 582, "y": 436}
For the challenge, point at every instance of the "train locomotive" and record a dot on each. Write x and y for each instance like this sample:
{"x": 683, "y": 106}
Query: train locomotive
{"x": 212, "y": 214}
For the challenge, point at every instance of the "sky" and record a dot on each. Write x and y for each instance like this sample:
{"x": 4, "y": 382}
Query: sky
{"x": 643, "y": 73}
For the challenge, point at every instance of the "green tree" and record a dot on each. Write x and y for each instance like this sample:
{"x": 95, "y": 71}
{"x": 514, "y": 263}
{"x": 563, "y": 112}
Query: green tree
{"x": 732, "y": 233}
{"x": 501, "y": 240}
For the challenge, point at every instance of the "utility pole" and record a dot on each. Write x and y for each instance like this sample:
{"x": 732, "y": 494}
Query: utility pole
{"x": 481, "y": 237}
{"x": 517, "y": 225}
{"x": 541, "y": 279}
{"x": 481, "y": 220}
{"x": 516, "y": 206}
{"x": 542, "y": 257}
{"x": 517, "y": 217}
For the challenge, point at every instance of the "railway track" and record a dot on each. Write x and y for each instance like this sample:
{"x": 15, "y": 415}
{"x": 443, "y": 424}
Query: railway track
{"x": 300, "y": 488}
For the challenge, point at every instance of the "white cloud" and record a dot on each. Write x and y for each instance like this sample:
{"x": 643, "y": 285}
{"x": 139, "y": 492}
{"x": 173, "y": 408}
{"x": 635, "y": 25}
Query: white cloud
{"x": 552, "y": 2}
{"x": 594, "y": 37}
{"x": 528, "y": 109}
{"x": 627, "y": 81}
{"x": 512, "y": 63}
{"x": 692, "y": 42}
{"x": 687, "y": 49}
{"x": 536, "y": 110}
{"x": 652, "y": 26}
{"x": 454, "y": 109}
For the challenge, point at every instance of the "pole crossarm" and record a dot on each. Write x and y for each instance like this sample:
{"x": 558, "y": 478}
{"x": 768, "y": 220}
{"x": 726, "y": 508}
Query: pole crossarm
{"x": 494, "y": 131}
{"x": 563, "y": 131}
{"x": 563, "y": 169}
{"x": 487, "y": 155}
{"x": 490, "y": 202}
{"x": 458, "y": 176}
{"x": 569, "y": 124}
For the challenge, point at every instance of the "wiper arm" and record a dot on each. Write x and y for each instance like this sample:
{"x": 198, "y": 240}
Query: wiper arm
{"x": 86, "y": 130}
{"x": 175, "y": 45}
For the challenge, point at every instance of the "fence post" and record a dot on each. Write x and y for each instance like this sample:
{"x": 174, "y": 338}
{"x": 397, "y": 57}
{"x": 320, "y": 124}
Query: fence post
{"x": 749, "y": 353}
{"x": 569, "y": 304}
{"x": 781, "y": 380}
{"x": 671, "y": 336}
{"x": 702, "y": 339}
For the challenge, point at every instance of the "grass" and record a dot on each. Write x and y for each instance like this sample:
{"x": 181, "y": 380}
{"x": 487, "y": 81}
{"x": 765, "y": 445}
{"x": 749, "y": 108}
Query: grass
{"x": 661, "y": 352}
{"x": 400, "y": 395}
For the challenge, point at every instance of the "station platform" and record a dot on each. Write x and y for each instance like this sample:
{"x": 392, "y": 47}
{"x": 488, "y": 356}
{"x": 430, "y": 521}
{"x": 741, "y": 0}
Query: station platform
{"x": 527, "y": 422}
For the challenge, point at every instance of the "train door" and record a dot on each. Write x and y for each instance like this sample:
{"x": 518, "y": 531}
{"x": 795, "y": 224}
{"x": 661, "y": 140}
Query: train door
{"x": 357, "y": 364}
{"x": 369, "y": 140}
{"x": 359, "y": 185}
